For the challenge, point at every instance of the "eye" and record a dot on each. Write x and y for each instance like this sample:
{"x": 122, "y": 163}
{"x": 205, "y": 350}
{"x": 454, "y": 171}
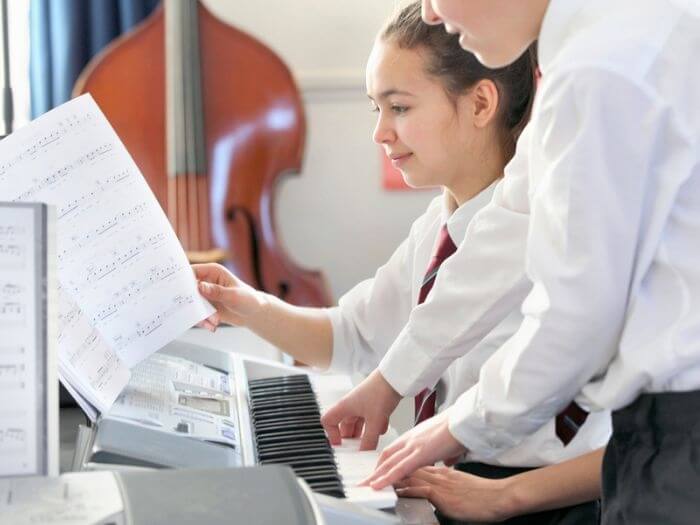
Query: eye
{"x": 399, "y": 109}
{"x": 374, "y": 108}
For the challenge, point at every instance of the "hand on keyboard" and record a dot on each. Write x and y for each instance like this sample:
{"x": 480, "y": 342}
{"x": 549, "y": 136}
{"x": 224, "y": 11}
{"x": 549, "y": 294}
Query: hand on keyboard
{"x": 459, "y": 495}
{"x": 423, "y": 445}
{"x": 364, "y": 412}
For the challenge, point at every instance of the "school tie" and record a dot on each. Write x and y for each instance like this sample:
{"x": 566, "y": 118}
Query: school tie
{"x": 424, "y": 402}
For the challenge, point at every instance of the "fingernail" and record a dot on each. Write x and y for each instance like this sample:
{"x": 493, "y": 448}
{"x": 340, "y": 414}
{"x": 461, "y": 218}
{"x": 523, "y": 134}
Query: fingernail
{"x": 205, "y": 287}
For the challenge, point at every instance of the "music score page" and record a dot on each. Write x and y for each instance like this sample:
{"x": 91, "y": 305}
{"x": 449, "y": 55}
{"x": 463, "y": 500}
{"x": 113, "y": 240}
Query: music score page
{"x": 126, "y": 286}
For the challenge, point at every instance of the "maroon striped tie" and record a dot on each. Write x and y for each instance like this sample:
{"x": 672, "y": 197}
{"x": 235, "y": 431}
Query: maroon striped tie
{"x": 424, "y": 402}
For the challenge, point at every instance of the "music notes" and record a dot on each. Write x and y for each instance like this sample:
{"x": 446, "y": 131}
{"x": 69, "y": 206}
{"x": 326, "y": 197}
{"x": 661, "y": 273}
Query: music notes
{"x": 128, "y": 285}
{"x": 22, "y": 355}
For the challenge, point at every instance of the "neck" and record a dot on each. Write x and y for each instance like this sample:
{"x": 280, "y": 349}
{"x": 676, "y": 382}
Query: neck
{"x": 468, "y": 185}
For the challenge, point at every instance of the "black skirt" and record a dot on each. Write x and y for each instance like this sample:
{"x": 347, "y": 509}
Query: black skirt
{"x": 583, "y": 514}
{"x": 651, "y": 468}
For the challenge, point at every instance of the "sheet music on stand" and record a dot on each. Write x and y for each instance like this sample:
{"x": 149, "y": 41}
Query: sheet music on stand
{"x": 28, "y": 383}
{"x": 125, "y": 285}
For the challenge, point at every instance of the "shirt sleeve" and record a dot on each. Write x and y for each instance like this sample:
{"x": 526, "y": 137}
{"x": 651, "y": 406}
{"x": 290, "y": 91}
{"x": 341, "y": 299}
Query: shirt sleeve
{"x": 475, "y": 289}
{"x": 369, "y": 316}
{"x": 592, "y": 177}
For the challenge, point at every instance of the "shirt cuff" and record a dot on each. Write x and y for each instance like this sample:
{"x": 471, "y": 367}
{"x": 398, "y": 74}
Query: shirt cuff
{"x": 407, "y": 368}
{"x": 341, "y": 357}
{"x": 467, "y": 422}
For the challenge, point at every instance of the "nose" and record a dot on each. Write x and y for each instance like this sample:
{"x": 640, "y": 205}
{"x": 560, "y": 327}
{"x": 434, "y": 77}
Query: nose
{"x": 429, "y": 15}
{"x": 383, "y": 132}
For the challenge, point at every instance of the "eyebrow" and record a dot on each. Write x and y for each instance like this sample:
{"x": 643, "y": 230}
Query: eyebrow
{"x": 390, "y": 92}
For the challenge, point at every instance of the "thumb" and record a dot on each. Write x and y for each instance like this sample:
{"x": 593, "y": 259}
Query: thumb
{"x": 214, "y": 292}
{"x": 331, "y": 422}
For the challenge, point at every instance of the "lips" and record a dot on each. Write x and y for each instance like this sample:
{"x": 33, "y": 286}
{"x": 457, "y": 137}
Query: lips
{"x": 398, "y": 159}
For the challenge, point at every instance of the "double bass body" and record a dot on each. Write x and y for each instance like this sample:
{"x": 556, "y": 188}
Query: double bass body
{"x": 212, "y": 123}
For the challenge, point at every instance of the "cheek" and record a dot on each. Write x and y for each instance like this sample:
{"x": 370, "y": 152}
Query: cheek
{"x": 454, "y": 12}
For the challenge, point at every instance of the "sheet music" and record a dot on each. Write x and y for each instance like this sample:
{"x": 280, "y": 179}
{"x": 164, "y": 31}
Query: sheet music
{"x": 90, "y": 365}
{"x": 118, "y": 257}
{"x": 22, "y": 373}
{"x": 85, "y": 497}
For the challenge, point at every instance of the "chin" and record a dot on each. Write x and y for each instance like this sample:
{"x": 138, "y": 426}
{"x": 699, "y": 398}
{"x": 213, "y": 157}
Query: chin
{"x": 415, "y": 181}
{"x": 493, "y": 60}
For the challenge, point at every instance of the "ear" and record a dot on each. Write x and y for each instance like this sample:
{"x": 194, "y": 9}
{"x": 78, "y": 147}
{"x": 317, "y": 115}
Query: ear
{"x": 484, "y": 102}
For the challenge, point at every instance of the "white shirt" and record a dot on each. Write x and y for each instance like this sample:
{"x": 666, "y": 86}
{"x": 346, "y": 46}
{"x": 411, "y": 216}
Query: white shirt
{"x": 371, "y": 315}
{"x": 613, "y": 251}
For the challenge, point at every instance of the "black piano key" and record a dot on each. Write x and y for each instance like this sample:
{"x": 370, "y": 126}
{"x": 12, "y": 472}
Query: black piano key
{"x": 291, "y": 435}
{"x": 270, "y": 455}
{"x": 315, "y": 445}
{"x": 310, "y": 462}
{"x": 276, "y": 401}
{"x": 291, "y": 447}
{"x": 295, "y": 378}
{"x": 330, "y": 489}
{"x": 287, "y": 423}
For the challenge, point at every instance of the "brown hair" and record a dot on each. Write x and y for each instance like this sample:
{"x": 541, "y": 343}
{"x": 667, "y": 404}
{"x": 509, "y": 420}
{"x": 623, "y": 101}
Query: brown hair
{"x": 459, "y": 70}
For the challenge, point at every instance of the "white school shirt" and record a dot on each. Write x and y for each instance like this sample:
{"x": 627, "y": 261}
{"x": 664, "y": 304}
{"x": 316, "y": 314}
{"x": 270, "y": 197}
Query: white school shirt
{"x": 613, "y": 251}
{"x": 371, "y": 315}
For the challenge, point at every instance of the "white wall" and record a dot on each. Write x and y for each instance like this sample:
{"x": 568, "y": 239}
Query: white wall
{"x": 335, "y": 216}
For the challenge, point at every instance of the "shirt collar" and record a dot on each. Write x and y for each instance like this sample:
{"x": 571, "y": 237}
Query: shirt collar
{"x": 556, "y": 27}
{"x": 457, "y": 217}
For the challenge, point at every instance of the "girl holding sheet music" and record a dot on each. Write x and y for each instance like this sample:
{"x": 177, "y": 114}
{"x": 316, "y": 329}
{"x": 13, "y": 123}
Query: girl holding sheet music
{"x": 444, "y": 120}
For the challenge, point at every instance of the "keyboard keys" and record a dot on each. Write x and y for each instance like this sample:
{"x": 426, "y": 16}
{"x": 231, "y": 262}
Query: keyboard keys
{"x": 288, "y": 431}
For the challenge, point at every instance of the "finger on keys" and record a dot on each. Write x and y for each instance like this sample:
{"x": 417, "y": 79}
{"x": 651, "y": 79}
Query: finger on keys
{"x": 389, "y": 457}
{"x": 359, "y": 425}
{"x": 331, "y": 421}
{"x": 347, "y": 427}
{"x": 414, "y": 480}
{"x": 370, "y": 435}
{"x": 401, "y": 470}
{"x": 415, "y": 491}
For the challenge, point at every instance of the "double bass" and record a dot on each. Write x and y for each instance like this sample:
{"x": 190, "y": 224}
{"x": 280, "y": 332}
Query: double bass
{"x": 213, "y": 119}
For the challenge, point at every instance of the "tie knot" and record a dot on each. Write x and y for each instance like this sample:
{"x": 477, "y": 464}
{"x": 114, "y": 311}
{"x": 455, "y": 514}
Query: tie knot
{"x": 445, "y": 246}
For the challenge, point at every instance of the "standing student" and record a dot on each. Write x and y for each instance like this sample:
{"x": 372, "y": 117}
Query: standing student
{"x": 612, "y": 252}
{"x": 446, "y": 121}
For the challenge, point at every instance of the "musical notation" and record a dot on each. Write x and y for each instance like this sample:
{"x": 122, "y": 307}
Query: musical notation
{"x": 12, "y": 313}
{"x": 144, "y": 329}
{"x": 101, "y": 186}
{"x": 40, "y": 142}
{"x": 12, "y": 256}
{"x": 23, "y": 371}
{"x": 11, "y": 230}
{"x": 119, "y": 261}
{"x": 31, "y": 193}
{"x": 84, "y": 354}
{"x": 11, "y": 290}
{"x": 12, "y": 436}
